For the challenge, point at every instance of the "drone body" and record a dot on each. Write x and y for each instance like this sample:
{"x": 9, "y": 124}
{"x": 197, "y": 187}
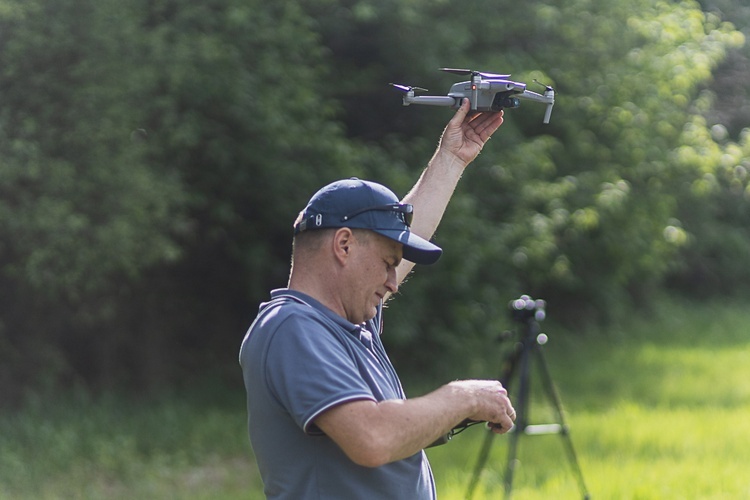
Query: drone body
{"x": 485, "y": 91}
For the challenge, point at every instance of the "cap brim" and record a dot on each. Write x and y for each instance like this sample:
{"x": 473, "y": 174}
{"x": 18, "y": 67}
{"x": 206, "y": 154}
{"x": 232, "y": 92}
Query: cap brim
{"x": 416, "y": 249}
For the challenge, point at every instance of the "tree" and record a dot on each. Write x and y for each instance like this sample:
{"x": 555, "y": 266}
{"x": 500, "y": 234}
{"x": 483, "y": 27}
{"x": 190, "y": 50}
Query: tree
{"x": 142, "y": 145}
{"x": 82, "y": 212}
{"x": 713, "y": 205}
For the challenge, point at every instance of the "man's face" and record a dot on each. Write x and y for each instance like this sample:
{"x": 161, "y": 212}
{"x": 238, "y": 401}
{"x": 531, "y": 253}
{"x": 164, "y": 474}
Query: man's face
{"x": 373, "y": 275}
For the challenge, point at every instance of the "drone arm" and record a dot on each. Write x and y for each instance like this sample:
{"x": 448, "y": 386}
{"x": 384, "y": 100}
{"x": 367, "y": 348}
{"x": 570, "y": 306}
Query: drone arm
{"x": 432, "y": 100}
{"x": 548, "y": 98}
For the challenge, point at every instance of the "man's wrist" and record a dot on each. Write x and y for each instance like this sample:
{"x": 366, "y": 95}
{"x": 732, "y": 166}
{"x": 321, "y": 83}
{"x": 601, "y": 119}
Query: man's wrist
{"x": 447, "y": 160}
{"x": 465, "y": 401}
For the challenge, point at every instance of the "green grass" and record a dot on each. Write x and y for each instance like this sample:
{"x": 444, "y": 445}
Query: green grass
{"x": 658, "y": 408}
{"x": 176, "y": 447}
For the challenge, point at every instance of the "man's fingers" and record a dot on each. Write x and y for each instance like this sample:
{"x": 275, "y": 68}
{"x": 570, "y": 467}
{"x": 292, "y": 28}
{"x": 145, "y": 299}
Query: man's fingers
{"x": 487, "y": 123}
{"x": 461, "y": 113}
{"x": 501, "y": 427}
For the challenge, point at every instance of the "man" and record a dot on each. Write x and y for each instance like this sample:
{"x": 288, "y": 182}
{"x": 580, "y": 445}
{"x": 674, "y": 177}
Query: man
{"x": 328, "y": 417}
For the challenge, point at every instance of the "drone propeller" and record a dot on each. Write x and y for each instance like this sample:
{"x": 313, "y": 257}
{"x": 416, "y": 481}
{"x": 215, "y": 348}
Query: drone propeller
{"x": 546, "y": 87}
{"x": 407, "y": 88}
{"x": 457, "y": 71}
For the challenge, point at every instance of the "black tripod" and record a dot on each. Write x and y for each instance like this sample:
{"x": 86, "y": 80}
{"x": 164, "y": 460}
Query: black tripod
{"x": 529, "y": 312}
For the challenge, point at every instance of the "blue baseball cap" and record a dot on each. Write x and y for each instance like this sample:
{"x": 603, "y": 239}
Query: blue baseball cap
{"x": 355, "y": 203}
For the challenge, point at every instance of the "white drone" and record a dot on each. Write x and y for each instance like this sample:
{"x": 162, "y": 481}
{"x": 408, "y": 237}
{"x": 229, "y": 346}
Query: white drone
{"x": 485, "y": 91}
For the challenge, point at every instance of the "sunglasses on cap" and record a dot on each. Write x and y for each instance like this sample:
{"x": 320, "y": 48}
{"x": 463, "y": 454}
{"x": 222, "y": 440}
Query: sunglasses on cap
{"x": 405, "y": 211}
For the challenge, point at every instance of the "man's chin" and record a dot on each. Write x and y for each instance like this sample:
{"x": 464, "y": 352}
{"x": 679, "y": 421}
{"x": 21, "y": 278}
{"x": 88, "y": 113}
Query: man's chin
{"x": 372, "y": 314}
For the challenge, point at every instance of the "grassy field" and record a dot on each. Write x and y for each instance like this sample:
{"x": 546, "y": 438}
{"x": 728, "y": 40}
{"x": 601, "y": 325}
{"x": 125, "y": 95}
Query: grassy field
{"x": 192, "y": 446}
{"x": 658, "y": 408}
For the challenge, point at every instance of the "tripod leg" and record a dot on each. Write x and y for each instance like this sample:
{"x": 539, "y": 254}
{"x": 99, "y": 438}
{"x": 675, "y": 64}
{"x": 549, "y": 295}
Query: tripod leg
{"x": 510, "y": 467}
{"x": 509, "y": 367}
{"x": 484, "y": 454}
{"x": 522, "y": 417}
{"x": 549, "y": 388}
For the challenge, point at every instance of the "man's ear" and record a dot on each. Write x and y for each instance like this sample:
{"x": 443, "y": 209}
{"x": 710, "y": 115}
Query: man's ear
{"x": 342, "y": 242}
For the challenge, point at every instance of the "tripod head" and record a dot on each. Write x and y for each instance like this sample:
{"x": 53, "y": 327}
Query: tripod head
{"x": 525, "y": 309}
{"x": 530, "y": 312}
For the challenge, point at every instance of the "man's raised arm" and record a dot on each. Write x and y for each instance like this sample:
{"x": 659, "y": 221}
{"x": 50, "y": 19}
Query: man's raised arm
{"x": 461, "y": 141}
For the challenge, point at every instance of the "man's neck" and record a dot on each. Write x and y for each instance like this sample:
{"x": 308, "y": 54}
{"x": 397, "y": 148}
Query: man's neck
{"x": 320, "y": 291}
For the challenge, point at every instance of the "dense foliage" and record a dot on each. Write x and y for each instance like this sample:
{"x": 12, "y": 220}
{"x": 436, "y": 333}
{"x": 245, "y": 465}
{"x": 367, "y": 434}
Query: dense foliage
{"x": 153, "y": 155}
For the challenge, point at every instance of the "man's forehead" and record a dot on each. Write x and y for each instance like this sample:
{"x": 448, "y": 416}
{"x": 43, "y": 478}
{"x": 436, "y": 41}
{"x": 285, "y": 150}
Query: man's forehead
{"x": 393, "y": 247}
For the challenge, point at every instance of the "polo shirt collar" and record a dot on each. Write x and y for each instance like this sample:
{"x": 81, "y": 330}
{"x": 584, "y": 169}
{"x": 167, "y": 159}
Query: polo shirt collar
{"x": 343, "y": 322}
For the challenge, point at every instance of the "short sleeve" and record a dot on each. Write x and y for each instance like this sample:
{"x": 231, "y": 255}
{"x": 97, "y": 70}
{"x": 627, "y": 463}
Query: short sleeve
{"x": 311, "y": 369}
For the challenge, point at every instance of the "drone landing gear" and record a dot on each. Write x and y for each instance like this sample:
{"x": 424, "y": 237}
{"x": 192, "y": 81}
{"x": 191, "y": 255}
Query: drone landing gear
{"x": 518, "y": 362}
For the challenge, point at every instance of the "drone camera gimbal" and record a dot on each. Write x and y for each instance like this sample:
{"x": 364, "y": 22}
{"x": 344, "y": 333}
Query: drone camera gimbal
{"x": 485, "y": 91}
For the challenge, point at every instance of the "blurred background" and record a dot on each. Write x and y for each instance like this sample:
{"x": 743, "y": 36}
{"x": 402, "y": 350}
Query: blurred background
{"x": 154, "y": 154}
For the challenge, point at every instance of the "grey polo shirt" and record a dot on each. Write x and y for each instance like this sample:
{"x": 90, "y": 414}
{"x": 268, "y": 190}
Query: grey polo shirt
{"x": 299, "y": 359}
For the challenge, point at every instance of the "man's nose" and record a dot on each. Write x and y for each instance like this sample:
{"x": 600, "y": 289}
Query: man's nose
{"x": 392, "y": 282}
